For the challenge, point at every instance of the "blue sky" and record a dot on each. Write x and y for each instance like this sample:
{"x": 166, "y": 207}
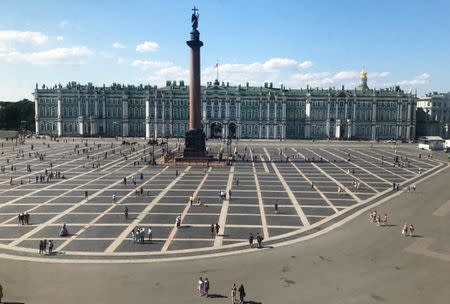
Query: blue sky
{"x": 295, "y": 43}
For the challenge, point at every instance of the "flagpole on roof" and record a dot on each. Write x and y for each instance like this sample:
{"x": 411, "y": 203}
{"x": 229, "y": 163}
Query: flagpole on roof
{"x": 217, "y": 69}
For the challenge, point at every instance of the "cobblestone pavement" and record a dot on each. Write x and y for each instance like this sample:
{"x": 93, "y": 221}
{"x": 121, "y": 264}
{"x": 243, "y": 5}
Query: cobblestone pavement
{"x": 301, "y": 177}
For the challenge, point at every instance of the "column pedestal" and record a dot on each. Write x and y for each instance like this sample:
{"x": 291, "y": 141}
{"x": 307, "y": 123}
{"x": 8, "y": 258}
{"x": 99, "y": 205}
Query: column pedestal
{"x": 195, "y": 145}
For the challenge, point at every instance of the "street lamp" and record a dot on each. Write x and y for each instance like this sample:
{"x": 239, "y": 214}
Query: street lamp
{"x": 229, "y": 141}
{"x": 115, "y": 123}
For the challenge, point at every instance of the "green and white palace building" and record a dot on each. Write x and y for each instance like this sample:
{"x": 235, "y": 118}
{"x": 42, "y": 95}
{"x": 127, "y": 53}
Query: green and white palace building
{"x": 227, "y": 111}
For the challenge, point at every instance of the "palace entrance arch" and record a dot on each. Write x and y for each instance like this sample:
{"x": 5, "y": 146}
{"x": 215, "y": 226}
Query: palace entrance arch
{"x": 232, "y": 130}
{"x": 216, "y": 130}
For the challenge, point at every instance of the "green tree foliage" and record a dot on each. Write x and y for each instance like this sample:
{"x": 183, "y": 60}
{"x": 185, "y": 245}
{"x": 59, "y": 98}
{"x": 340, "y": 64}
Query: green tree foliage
{"x": 12, "y": 114}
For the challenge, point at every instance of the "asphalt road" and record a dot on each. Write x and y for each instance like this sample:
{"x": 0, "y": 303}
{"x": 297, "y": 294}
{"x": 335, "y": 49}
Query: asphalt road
{"x": 356, "y": 263}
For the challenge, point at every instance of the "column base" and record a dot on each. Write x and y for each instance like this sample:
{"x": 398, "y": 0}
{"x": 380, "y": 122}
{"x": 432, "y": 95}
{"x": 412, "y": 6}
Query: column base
{"x": 195, "y": 144}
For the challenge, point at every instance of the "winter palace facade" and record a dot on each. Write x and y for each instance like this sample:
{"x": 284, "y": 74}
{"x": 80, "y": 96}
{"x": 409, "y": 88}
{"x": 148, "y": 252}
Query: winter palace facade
{"x": 227, "y": 111}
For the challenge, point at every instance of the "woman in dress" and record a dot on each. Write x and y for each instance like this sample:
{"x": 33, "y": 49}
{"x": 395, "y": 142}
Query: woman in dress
{"x": 233, "y": 293}
{"x": 200, "y": 286}
{"x": 405, "y": 229}
{"x": 411, "y": 230}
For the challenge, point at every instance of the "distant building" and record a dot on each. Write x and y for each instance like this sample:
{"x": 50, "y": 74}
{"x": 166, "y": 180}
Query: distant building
{"x": 262, "y": 112}
{"x": 433, "y": 115}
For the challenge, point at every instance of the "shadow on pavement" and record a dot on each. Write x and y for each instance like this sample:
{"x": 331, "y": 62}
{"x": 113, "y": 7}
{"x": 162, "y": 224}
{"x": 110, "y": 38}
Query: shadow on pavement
{"x": 217, "y": 296}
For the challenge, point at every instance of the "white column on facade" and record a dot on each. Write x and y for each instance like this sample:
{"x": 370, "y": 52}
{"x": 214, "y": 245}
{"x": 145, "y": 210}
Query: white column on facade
{"x": 238, "y": 110}
{"x": 354, "y": 118}
{"x": 223, "y": 130}
{"x": 125, "y": 122}
{"x": 147, "y": 119}
{"x": 336, "y": 110}
{"x": 163, "y": 112}
{"x": 275, "y": 111}
{"x": 345, "y": 110}
{"x": 227, "y": 109}
{"x": 171, "y": 117}
{"x": 36, "y": 113}
{"x": 96, "y": 107}
{"x": 328, "y": 118}
{"x": 349, "y": 128}
{"x": 156, "y": 118}
{"x": 308, "y": 119}
{"x": 212, "y": 109}
{"x": 260, "y": 120}
{"x": 86, "y": 104}
{"x": 275, "y": 127}
{"x": 204, "y": 110}
{"x": 268, "y": 111}
{"x": 374, "y": 120}
{"x": 207, "y": 130}
{"x": 338, "y": 128}
{"x": 80, "y": 125}
{"x": 104, "y": 114}
{"x": 59, "y": 118}
{"x": 409, "y": 122}
{"x": 267, "y": 131}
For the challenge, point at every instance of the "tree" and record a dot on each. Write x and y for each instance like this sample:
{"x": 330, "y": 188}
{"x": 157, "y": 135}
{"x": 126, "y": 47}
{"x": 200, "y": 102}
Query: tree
{"x": 12, "y": 114}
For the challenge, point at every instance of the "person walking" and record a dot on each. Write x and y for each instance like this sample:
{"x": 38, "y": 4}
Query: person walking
{"x": 200, "y": 286}
{"x": 114, "y": 198}
{"x": 259, "y": 240}
{"x": 150, "y": 234}
{"x": 86, "y": 195}
{"x": 241, "y": 294}
{"x": 178, "y": 221}
{"x": 133, "y": 236}
{"x": 217, "y": 226}
{"x": 233, "y": 293}
{"x": 275, "y": 207}
{"x": 212, "y": 230}
{"x": 405, "y": 229}
{"x": 126, "y": 213}
{"x": 250, "y": 240}
{"x": 206, "y": 287}
{"x": 411, "y": 230}
{"x": 50, "y": 247}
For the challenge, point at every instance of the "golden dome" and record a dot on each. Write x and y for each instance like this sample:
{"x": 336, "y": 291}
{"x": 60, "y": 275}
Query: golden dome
{"x": 363, "y": 73}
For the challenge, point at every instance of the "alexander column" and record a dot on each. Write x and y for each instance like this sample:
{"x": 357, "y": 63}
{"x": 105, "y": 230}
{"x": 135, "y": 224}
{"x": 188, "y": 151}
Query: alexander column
{"x": 195, "y": 138}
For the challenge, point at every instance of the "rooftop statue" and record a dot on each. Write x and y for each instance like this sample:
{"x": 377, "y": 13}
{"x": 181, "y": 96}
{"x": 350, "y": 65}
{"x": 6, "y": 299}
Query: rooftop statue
{"x": 194, "y": 18}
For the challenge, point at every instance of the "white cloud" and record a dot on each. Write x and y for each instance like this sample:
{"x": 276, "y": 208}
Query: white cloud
{"x": 305, "y": 64}
{"x": 74, "y": 55}
{"x": 64, "y": 23}
{"x": 147, "y": 65}
{"x": 147, "y": 46}
{"x": 378, "y": 74}
{"x": 121, "y": 60}
{"x": 10, "y": 37}
{"x": 118, "y": 45}
{"x": 60, "y": 38}
{"x": 418, "y": 80}
{"x": 286, "y": 71}
{"x": 343, "y": 75}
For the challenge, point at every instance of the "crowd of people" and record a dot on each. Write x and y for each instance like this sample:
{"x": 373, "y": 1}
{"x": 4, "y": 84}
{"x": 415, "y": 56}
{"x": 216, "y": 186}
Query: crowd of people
{"x": 138, "y": 235}
{"x": 237, "y": 295}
